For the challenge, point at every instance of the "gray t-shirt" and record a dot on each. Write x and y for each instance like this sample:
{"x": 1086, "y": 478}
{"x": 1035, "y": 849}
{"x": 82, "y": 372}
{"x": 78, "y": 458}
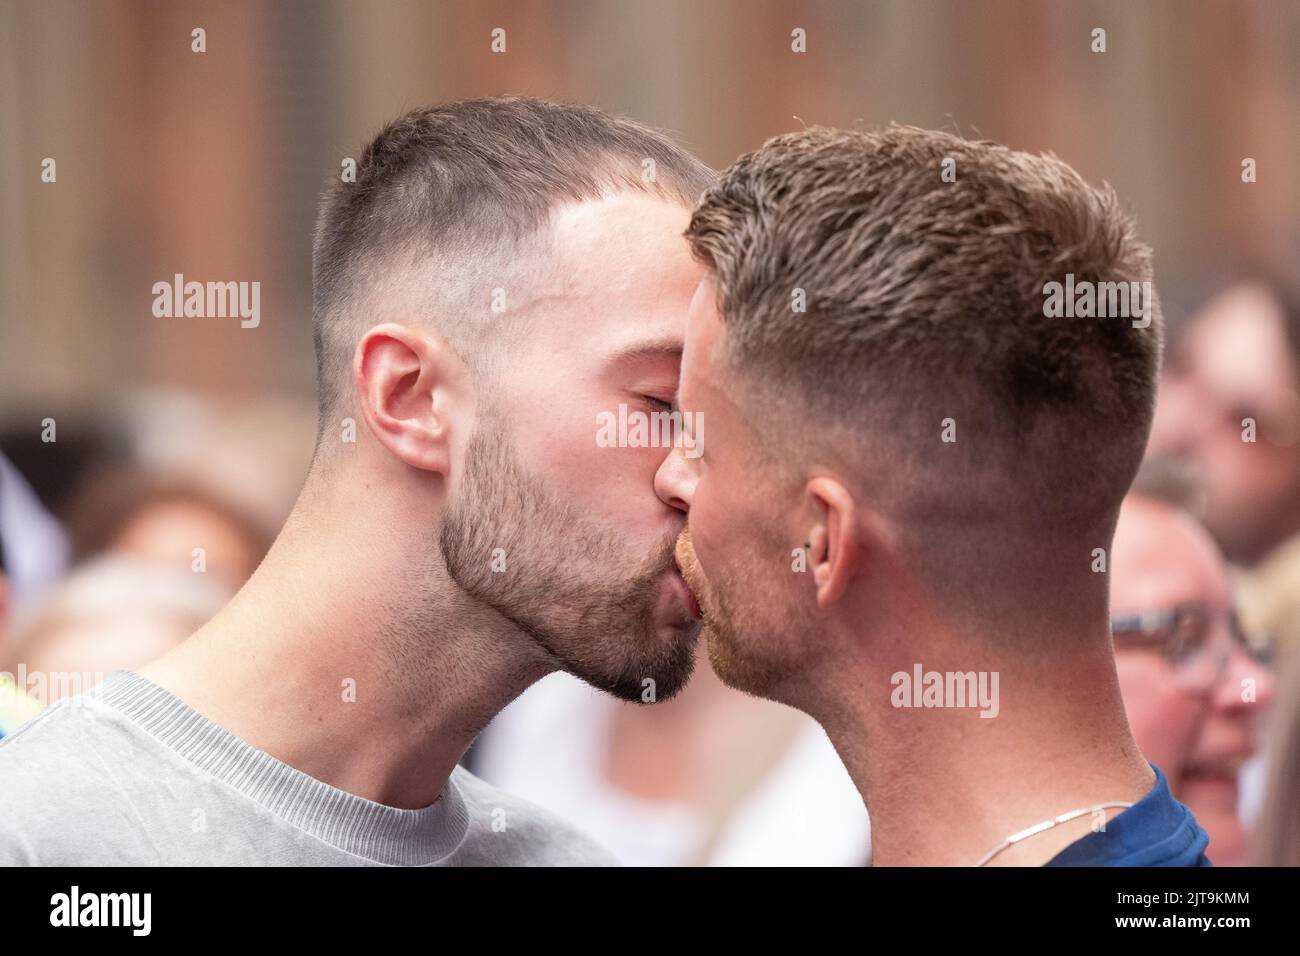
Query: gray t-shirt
{"x": 128, "y": 774}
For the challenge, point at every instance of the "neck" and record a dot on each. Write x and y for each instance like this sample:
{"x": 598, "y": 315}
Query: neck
{"x": 318, "y": 661}
{"x": 943, "y": 785}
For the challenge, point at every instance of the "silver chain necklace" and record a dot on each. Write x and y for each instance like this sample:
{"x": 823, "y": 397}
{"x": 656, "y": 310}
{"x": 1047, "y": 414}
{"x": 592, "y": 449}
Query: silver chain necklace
{"x": 1038, "y": 828}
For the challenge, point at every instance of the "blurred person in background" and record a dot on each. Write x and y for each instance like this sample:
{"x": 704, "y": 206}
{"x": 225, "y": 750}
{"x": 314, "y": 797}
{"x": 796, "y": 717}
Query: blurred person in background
{"x": 38, "y": 548}
{"x": 1230, "y": 408}
{"x": 34, "y": 551}
{"x": 251, "y": 452}
{"x": 115, "y": 612}
{"x": 4, "y": 589}
{"x": 1277, "y": 833}
{"x": 16, "y": 705}
{"x": 170, "y": 521}
{"x": 712, "y": 777}
{"x": 1192, "y": 686}
{"x": 164, "y": 521}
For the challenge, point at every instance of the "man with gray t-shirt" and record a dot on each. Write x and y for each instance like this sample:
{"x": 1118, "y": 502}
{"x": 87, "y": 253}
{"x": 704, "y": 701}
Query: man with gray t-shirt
{"x": 129, "y": 753}
{"x": 498, "y": 280}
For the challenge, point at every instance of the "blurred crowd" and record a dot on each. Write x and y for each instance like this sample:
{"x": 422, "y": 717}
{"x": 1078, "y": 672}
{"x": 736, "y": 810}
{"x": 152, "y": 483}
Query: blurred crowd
{"x": 129, "y": 529}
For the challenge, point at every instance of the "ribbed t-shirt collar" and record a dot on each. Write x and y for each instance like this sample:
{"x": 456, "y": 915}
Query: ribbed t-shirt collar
{"x": 353, "y": 824}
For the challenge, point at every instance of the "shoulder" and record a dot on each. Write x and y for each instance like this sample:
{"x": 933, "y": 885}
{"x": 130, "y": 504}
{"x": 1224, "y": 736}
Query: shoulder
{"x": 42, "y": 743}
{"x": 61, "y": 775}
{"x": 506, "y": 830}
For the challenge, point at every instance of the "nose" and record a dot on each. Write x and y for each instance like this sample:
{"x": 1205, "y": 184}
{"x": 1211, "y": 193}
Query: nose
{"x": 675, "y": 480}
{"x": 1247, "y": 685}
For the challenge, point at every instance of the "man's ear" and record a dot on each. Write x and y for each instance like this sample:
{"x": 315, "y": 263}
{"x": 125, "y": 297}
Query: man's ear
{"x": 835, "y": 540}
{"x": 406, "y": 380}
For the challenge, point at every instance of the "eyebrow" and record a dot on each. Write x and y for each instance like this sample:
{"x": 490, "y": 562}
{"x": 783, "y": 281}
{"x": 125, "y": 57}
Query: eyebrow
{"x": 656, "y": 348}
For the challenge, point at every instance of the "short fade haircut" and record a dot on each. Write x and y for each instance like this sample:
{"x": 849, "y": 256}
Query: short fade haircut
{"x": 924, "y": 300}
{"x": 447, "y": 199}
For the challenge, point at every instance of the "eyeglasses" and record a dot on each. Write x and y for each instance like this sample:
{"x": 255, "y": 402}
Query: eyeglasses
{"x": 1196, "y": 640}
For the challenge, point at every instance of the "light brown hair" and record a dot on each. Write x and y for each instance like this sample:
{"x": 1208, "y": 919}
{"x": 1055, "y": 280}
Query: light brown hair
{"x": 924, "y": 300}
{"x": 452, "y": 196}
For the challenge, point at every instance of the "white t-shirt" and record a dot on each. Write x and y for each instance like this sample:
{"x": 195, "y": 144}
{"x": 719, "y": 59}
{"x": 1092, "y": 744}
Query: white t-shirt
{"x": 548, "y": 747}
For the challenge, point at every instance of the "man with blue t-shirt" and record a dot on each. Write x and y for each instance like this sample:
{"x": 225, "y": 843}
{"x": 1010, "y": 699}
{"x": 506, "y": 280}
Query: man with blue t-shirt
{"x": 927, "y": 367}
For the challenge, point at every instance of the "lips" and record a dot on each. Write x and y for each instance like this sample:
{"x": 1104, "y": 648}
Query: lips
{"x": 692, "y": 603}
{"x": 1219, "y": 768}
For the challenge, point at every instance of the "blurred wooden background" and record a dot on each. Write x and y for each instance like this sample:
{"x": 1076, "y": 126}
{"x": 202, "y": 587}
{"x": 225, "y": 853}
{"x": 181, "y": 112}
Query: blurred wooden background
{"x": 210, "y": 164}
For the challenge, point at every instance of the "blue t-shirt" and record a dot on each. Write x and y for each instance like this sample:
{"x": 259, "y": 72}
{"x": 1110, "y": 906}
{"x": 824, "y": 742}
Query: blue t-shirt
{"x": 1155, "y": 831}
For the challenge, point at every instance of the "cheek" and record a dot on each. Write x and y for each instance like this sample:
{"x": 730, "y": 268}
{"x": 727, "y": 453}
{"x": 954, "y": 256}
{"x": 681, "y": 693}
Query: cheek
{"x": 729, "y": 531}
{"x": 574, "y": 452}
{"x": 714, "y": 525}
{"x": 1164, "y": 719}
{"x": 1238, "y": 469}
{"x": 708, "y": 524}
{"x": 615, "y": 488}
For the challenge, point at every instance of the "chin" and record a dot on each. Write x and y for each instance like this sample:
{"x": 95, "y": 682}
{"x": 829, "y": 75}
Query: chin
{"x": 742, "y": 671}
{"x": 1228, "y": 843}
{"x": 669, "y": 664}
